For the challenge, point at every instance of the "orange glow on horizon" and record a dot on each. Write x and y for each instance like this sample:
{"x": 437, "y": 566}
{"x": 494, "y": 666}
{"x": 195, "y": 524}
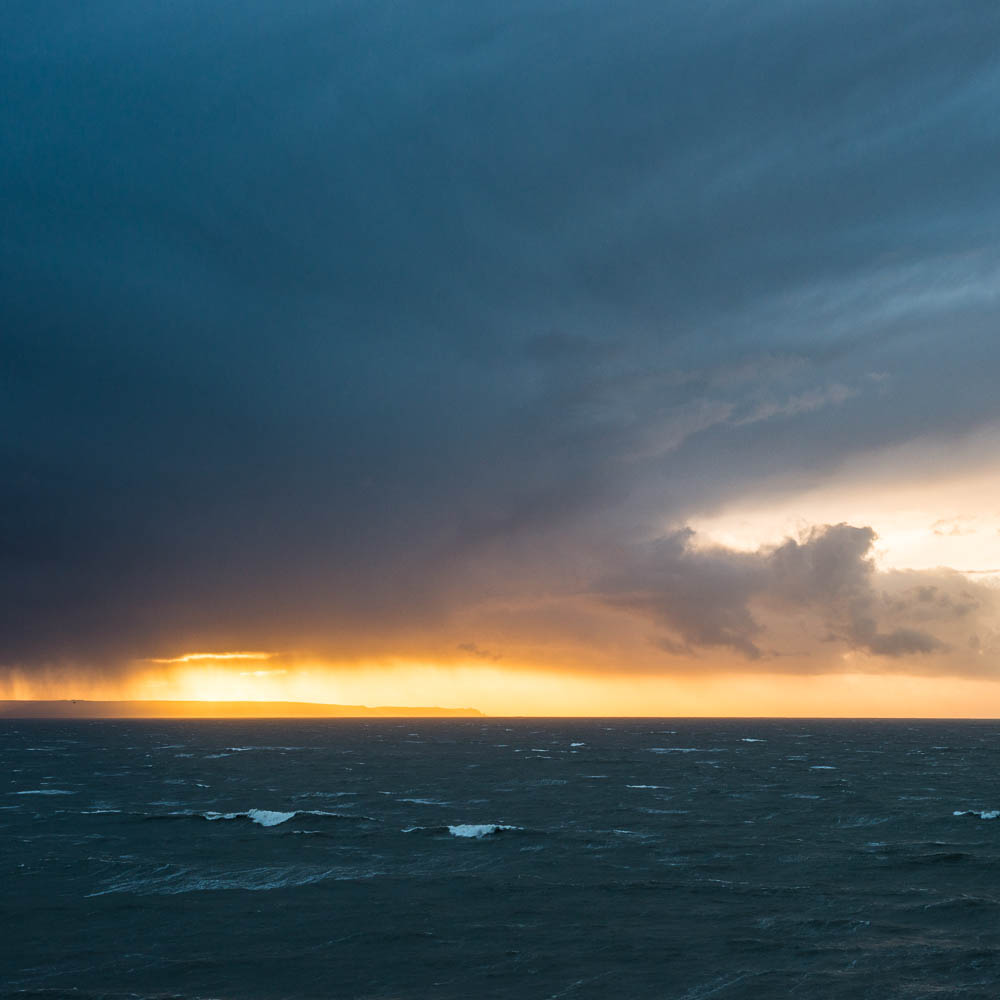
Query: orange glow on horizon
{"x": 193, "y": 657}
{"x": 527, "y": 691}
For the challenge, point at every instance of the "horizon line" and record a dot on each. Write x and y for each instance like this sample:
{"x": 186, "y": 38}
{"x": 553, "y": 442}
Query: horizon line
{"x": 396, "y": 711}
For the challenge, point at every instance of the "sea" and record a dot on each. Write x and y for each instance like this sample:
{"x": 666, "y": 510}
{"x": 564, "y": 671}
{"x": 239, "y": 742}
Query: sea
{"x": 519, "y": 858}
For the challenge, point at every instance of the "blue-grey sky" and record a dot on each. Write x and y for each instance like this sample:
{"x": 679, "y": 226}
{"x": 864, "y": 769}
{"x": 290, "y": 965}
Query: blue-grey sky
{"x": 382, "y": 328}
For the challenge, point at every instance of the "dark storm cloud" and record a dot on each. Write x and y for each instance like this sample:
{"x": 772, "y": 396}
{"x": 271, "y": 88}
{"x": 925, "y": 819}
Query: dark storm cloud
{"x": 319, "y": 319}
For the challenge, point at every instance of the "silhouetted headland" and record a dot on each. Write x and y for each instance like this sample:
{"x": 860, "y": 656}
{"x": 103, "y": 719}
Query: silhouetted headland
{"x": 80, "y": 709}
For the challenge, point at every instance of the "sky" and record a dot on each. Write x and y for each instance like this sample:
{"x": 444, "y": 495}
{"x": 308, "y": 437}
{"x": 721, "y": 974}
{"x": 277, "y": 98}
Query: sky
{"x": 543, "y": 357}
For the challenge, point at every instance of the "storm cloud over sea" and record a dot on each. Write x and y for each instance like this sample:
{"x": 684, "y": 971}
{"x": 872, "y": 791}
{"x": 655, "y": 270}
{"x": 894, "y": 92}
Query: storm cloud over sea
{"x": 675, "y": 859}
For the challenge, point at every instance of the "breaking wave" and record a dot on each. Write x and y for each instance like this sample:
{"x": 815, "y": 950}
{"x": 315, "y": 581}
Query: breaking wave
{"x": 474, "y": 831}
{"x": 479, "y": 830}
{"x": 262, "y": 817}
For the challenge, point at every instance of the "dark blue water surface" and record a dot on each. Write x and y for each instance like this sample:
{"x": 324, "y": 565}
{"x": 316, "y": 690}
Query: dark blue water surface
{"x": 676, "y": 859}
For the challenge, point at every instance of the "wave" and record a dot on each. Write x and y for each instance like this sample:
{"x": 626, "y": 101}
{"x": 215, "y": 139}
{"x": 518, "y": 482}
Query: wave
{"x": 262, "y": 817}
{"x": 474, "y": 831}
{"x": 45, "y": 791}
{"x": 981, "y": 813}
{"x": 267, "y": 747}
{"x": 479, "y": 830}
{"x": 941, "y": 857}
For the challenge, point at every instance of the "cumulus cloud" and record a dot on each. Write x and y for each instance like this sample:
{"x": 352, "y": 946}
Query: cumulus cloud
{"x": 814, "y": 599}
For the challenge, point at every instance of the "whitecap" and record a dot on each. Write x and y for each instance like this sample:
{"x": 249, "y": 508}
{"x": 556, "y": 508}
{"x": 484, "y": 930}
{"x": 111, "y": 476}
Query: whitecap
{"x": 645, "y": 786}
{"x": 269, "y": 817}
{"x": 479, "y": 830}
{"x": 578, "y": 744}
{"x": 45, "y": 791}
{"x": 981, "y": 813}
{"x": 265, "y": 817}
{"x": 751, "y": 739}
{"x": 822, "y": 767}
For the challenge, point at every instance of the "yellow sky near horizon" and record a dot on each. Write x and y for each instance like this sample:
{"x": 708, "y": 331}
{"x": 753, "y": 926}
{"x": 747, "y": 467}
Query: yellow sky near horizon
{"x": 950, "y": 518}
{"x": 503, "y": 691}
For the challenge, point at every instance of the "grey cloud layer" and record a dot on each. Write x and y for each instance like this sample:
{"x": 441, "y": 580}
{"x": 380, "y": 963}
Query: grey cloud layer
{"x": 321, "y": 318}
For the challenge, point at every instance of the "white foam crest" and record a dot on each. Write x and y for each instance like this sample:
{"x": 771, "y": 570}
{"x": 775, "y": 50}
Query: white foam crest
{"x": 266, "y": 817}
{"x": 578, "y": 744}
{"x": 751, "y": 739}
{"x": 44, "y": 791}
{"x": 264, "y": 747}
{"x": 981, "y": 813}
{"x": 269, "y": 817}
{"x": 479, "y": 830}
{"x": 645, "y": 786}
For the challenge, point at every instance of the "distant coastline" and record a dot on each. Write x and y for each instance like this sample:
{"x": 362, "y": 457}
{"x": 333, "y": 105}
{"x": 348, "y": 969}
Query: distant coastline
{"x": 80, "y": 709}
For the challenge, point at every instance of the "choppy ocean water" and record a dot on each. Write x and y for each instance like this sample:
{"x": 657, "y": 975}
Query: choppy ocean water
{"x": 412, "y": 859}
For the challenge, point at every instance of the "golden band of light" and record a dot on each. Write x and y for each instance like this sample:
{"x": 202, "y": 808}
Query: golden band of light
{"x": 193, "y": 657}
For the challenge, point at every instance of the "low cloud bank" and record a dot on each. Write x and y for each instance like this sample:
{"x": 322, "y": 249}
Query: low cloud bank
{"x": 806, "y": 605}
